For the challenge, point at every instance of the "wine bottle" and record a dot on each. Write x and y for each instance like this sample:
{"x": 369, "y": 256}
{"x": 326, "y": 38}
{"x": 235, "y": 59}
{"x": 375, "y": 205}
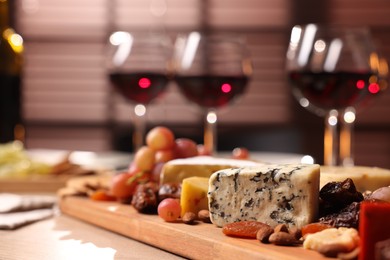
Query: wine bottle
{"x": 11, "y": 61}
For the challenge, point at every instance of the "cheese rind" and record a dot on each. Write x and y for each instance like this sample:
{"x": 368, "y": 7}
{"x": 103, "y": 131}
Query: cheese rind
{"x": 203, "y": 166}
{"x": 271, "y": 194}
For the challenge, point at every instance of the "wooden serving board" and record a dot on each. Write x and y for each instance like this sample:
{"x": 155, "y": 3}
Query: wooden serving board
{"x": 199, "y": 241}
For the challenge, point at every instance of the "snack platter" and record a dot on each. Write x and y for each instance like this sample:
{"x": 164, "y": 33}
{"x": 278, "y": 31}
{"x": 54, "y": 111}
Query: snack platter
{"x": 198, "y": 241}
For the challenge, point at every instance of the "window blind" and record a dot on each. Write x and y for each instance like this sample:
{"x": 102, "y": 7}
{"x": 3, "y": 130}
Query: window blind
{"x": 65, "y": 56}
{"x": 65, "y": 77}
{"x": 65, "y": 82}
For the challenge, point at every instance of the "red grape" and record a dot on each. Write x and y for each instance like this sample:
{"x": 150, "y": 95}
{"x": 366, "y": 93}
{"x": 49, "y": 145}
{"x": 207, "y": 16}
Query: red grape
{"x": 144, "y": 159}
{"x": 160, "y": 138}
{"x": 185, "y": 148}
{"x": 119, "y": 187}
{"x": 240, "y": 153}
{"x": 164, "y": 155}
{"x": 123, "y": 185}
{"x": 157, "y": 172}
{"x": 169, "y": 209}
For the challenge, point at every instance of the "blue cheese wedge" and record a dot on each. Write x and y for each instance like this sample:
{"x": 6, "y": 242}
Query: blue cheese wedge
{"x": 271, "y": 194}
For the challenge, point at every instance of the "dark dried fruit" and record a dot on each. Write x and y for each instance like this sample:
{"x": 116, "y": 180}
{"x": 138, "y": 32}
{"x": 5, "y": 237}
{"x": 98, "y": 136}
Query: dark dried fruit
{"x": 335, "y": 196}
{"x": 347, "y": 217}
{"x": 340, "y": 193}
{"x": 145, "y": 198}
{"x": 169, "y": 190}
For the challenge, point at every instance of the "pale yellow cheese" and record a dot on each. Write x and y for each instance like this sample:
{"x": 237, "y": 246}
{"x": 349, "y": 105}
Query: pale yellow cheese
{"x": 364, "y": 178}
{"x": 193, "y": 196}
{"x": 202, "y": 166}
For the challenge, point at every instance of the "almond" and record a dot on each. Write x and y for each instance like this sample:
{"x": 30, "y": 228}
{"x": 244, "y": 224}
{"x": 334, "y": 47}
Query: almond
{"x": 189, "y": 218}
{"x": 282, "y": 239}
{"x": 263, "y": 233}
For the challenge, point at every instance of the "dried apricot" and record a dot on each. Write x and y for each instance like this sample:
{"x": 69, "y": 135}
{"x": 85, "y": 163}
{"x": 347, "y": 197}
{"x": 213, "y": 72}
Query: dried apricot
{"x": 313, "y": 228}
{"x": 102, "y": 196}
{"x": 244, "y": 229}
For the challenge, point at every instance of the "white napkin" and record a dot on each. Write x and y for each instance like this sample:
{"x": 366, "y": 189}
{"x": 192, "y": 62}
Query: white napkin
{"x": 19, "y": 210}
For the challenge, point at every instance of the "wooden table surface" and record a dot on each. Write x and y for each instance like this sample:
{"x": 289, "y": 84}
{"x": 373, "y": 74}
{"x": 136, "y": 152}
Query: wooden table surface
{"x": 63, "y": 237}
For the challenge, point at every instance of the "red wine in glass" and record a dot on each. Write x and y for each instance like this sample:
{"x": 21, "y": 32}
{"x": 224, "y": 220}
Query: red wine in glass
{"x": 334, "y": 90}
{"x": 211, "y": 71}
{"x": 332, "y": 70}
{"x": 139, "y": 87}
{"x": 138, "y": 69}
{"x": 212, "y": 91}
{"x": 325, "y": 91}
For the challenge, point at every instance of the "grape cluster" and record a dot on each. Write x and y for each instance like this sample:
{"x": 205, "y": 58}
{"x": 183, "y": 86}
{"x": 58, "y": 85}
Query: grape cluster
{"x": 161, "y": 147}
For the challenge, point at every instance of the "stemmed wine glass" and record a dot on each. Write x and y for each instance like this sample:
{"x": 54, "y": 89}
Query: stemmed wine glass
{"x": 211, "y": 71}
{"x": 332, "y": 71}
{"x": 139, "y": 68}
{"x": 379, "y": 64}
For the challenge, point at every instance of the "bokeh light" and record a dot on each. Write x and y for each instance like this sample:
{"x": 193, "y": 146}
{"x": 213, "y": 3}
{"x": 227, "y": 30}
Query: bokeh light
{"x": 226, "y": 88}
{"x": 373, "y": 88}
{"x": 360, "y": 84}
{"x": 144, "y": 83}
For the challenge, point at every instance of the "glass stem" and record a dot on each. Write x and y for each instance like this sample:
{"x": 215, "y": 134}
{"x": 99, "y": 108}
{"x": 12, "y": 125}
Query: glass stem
{"x": 139, "y": 126}
{"x": 331, "y": 138}
{"x": 346, "y": 137}
{"x": 210, "y": 131}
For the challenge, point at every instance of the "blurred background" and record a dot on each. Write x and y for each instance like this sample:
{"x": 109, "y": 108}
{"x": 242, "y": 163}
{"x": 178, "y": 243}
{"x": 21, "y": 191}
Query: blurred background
{"x": 68, "y": 102}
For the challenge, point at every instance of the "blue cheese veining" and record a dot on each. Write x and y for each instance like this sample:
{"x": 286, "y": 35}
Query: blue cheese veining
{"x": 272, "y": 194}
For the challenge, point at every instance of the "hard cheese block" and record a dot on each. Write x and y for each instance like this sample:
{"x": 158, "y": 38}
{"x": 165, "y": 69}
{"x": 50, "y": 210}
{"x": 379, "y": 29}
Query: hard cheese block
{"x": 271, "y": 194}
{"x": 194, "y": 194}
{"x": 364, "y": 178}
{"x": 202, "y": 166}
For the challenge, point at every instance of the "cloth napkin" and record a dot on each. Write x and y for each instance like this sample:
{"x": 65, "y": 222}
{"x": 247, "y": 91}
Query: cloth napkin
{"x": 19, "y": 210}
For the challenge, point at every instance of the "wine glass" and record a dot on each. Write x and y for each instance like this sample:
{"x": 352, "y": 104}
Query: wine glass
{"x": 332, "y": 71}
{"x": 380, "y": 84}
{"x": 139, "y": 69}
{"x": 211, "y": 71}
